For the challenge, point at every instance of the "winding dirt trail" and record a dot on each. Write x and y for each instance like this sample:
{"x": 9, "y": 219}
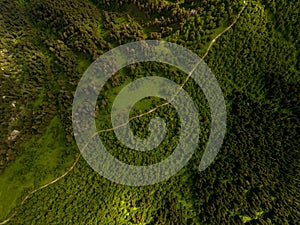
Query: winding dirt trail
{"x": 138, "y": 116}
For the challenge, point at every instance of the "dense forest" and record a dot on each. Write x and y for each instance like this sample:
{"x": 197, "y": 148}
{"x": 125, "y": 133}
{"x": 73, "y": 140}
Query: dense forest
{"x": 45, "y": 47}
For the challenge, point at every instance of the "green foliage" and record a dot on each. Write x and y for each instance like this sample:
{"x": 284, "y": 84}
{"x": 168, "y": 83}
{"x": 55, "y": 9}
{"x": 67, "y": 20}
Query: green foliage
{"x": 43, "y": 160}
{"x": 45, "y": 50}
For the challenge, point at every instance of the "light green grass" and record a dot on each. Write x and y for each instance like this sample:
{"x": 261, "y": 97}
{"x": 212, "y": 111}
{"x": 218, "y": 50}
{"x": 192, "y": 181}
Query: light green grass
{"x": 39, "y": 100}
{"x": 82, "y": 64}
{"x": 42, "y": 161}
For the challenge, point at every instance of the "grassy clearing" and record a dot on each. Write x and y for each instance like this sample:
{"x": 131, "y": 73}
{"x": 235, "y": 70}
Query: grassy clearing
{"x": 215, "y": 33}
{"x": 42, "y": 161}
{"x": 39, "y": 100}
{"x": 83, "y": 63}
